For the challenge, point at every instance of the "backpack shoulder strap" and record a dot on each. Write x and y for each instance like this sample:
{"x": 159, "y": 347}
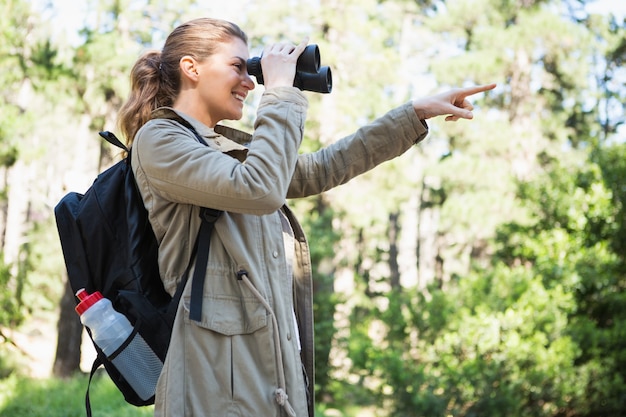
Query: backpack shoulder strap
{"x": 209, "y": 217}
{"x": 113, "y": 140}
{"x": 201, "y": 249}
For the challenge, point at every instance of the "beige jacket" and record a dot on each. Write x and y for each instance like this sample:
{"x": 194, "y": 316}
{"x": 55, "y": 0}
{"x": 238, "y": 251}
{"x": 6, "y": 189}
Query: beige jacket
{"x": 243, "y": 358}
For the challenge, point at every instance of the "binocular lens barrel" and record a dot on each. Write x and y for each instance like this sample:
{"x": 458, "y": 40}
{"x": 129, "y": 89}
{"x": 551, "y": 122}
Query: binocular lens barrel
{"x": 309, "y": 75}
{"x": 320, "y": 82}
{"x": 309, "y": 60}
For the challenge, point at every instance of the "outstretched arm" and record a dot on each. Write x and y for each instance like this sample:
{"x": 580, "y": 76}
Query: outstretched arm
{"x": 452, "y": 103}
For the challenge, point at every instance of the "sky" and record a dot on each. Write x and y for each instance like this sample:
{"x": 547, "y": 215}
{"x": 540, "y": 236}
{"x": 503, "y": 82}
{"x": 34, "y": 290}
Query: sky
{"x": 618, "y": 7}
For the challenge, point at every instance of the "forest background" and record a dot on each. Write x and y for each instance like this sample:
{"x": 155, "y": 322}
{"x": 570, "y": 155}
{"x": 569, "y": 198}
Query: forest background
{"x": 482, "y": 273}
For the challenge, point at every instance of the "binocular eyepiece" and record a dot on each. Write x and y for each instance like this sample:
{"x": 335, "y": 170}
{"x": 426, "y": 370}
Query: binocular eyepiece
{"x": 309, "y": 75}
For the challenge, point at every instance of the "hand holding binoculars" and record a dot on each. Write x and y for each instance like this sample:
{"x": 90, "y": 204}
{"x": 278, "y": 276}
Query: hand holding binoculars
{"x": 309, "y": 75}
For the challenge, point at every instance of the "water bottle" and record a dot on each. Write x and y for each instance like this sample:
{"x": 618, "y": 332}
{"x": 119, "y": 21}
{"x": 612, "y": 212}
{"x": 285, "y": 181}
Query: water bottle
{"x": 110, "y": 330}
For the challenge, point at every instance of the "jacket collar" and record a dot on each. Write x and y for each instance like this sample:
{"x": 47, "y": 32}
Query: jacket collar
{"x": 236, "y": 140}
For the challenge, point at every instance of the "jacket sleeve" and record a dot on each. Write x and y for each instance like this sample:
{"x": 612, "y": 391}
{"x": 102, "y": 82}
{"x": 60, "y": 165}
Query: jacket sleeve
{"x": 182, "y": 170}
{"x": 387, "y": 137}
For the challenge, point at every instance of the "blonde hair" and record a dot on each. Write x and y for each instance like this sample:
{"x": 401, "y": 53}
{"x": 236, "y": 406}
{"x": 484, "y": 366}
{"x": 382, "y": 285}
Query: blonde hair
{"x": 155, "y": 78}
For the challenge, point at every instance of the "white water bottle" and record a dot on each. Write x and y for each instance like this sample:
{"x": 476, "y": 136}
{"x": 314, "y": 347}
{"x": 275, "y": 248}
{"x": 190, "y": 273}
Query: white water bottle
{"x": 110, "y": 330}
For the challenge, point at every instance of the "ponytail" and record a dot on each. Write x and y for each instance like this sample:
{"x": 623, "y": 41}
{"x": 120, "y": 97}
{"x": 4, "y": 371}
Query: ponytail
{"x": 147, "y": 93}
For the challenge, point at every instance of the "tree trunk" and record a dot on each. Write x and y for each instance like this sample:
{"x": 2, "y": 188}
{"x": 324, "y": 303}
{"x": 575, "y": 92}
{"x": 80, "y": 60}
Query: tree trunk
{"x": 394, "y": 267}
{"x": 70, "y": 330}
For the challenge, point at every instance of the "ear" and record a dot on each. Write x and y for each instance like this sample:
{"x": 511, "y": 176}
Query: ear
{"x": 189, "y": 68}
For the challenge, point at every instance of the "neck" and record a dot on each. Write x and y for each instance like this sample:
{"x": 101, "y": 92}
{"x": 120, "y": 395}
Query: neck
{"x": 190, "y": 104}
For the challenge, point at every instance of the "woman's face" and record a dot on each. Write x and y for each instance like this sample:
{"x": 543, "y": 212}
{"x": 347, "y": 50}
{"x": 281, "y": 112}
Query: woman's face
{"x": 224, "y": 83}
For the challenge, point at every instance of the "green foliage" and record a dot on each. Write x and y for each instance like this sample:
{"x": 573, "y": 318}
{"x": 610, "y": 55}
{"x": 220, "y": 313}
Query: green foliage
{"x": 25, "y": 397}
{"x": 45, "y": 277}
{"x": 11, "y": 313}
{"x": 570, "y": 247}
{"x": 611, "y": 162}
{"x": 318, "y": 227}
{"x": 539, "y": 331}
{"x": 495, "y": 345}
{"x": 13, "y": 53}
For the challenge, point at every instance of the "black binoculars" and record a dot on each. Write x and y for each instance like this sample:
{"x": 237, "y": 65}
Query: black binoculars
{"x": 309, "y": 75}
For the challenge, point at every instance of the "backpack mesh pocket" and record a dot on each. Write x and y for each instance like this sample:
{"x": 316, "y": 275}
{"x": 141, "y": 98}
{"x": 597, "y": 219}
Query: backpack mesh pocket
{"x": 139, "y": 365}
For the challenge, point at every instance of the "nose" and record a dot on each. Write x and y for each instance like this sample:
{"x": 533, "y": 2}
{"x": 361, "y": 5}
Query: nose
{"x": 247, "y": 82}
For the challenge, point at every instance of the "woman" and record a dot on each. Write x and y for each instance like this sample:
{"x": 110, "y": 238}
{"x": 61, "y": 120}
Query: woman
{"x": 251, "y": 354}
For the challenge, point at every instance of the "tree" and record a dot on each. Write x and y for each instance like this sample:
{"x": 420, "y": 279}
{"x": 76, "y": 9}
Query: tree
{"x": 488, "y": 334}
{"x": 30, "y": 66}
{"x": 14, "y": 55}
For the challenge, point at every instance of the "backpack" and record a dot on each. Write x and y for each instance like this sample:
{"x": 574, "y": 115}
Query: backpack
{"x": 109, "y": 246}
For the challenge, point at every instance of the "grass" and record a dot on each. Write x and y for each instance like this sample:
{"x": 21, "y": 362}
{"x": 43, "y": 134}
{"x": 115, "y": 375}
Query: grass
{"x": 27, "y": 397}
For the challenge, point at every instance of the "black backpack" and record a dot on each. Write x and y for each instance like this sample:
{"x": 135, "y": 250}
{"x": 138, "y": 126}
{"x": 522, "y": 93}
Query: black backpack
{"x": 109, "y": 246}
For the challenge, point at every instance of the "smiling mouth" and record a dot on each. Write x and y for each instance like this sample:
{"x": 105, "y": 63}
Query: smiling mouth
{"x": 239, "y": 97}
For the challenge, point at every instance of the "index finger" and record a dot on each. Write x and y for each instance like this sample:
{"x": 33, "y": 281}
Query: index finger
{"x": 301, "y": 46}
{"x": 468, "y": 91}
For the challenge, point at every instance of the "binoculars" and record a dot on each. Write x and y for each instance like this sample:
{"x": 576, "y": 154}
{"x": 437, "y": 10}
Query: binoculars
{"x": 309, "y": 75}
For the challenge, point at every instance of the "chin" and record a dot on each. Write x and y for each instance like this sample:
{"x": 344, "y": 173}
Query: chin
{"x": 236, "y": 116}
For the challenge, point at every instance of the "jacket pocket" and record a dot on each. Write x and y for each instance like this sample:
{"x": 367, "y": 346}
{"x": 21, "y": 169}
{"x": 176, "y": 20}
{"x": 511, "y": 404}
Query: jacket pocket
{"x": 230, "y": 363}
{"x": 230, "y": 315}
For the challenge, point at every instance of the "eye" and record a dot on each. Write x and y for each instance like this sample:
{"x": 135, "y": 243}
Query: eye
{"x": 239, "y": 64}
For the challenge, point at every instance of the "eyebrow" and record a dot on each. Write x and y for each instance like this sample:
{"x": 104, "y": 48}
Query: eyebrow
{"x": 240, "y": 59}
